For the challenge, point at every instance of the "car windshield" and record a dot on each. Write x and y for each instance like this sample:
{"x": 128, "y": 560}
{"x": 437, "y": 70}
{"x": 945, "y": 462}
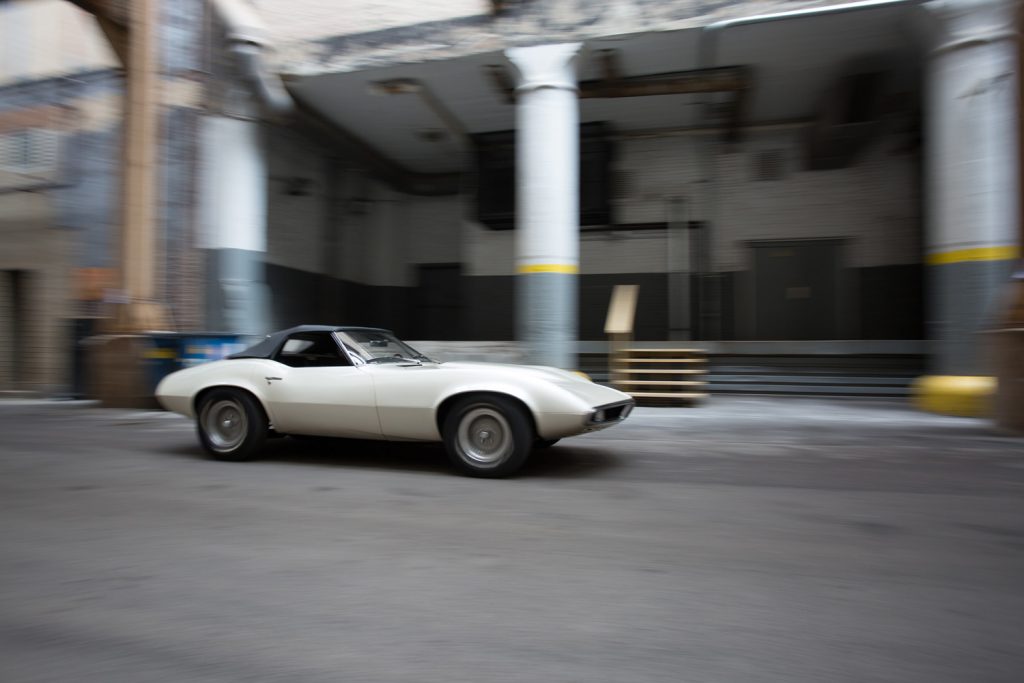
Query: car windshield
{"x": 377, "y": 346}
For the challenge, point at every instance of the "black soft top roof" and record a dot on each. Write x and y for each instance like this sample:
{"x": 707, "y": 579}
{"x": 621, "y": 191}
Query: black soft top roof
{"x": 269, "y": 345}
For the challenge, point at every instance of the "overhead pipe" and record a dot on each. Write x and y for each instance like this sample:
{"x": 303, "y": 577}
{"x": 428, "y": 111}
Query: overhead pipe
{"x": 247, "y": 39}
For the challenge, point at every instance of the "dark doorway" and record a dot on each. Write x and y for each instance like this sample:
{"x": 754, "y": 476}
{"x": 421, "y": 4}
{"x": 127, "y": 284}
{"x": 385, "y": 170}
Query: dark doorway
{"x": 438, "y": 301}
{"x": 13, "y": 310}
{"x": 796, "y": 289}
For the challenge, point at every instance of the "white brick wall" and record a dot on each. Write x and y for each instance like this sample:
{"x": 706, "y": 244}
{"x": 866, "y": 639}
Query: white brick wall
{"x": 380, "y": 235}
{"x": 650, "y": 172}
{"x": 295, "y": 224}
{"x": 492, "y": 252}
{"x": 488, "y": 252}
{"x": 873, "y": 202}
{"x": 383, "y": 234}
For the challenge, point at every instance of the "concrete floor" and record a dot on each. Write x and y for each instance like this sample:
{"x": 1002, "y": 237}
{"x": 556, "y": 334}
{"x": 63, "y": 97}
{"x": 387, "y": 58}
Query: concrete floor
{"x": 748, "y": 540}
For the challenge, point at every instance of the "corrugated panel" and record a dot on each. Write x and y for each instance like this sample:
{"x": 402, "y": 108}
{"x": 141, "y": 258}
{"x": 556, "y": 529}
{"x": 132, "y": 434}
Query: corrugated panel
{"x": 31, "y": 152}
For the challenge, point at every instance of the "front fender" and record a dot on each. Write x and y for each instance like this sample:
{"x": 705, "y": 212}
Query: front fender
{"x": 556, "y": 412}
{"x": 177, "y": 391}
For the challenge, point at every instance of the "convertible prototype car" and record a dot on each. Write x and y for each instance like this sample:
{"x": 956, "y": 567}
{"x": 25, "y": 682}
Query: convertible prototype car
{"x": 364, "y": 383}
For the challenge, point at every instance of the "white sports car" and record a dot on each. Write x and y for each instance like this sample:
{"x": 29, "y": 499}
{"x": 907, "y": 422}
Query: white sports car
{"x": 365, "y": 383}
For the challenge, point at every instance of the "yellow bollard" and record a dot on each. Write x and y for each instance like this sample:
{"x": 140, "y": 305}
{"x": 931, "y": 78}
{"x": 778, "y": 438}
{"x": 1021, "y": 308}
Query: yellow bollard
{"x": 964, "y": 396}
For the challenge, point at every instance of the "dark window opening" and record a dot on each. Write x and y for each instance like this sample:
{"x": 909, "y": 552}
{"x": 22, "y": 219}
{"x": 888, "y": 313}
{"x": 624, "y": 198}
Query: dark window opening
{"x": 496, "y": 182}
{"x": 311, "y": 350}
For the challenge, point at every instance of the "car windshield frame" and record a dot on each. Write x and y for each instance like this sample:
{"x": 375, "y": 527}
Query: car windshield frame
{"x": 377, "y": 346}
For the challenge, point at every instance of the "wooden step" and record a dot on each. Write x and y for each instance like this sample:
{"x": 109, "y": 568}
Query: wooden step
{"x": 659, "y": 371}
{"x": 660, "y": 383}
{"x": 679, "y": 351}
{"x": 660, "y": 360}
{"x": 668, "y": 375}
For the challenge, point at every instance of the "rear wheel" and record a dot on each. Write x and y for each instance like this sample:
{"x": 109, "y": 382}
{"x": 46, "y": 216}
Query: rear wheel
{"x": 488, "y": 436}
{"x": 231, "y": 425}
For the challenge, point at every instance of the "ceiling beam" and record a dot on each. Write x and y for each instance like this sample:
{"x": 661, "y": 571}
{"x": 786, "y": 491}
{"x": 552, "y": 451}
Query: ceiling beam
{"x": 718, "y": 79}
{"x": 112, "y": 20}
{"x": 613, "y": 85}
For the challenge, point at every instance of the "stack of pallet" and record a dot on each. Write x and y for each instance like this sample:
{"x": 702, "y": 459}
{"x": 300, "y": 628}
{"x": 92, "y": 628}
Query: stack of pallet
{"x": 655, "y": 376}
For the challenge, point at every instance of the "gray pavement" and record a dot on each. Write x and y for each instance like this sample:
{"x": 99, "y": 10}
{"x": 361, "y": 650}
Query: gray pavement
{"x": 748, "y": 540}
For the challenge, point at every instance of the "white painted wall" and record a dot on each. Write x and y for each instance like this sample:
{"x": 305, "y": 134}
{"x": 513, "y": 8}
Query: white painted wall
{"x": 46, "y": 38}
{"x": 873, "y": 202}
{"x": 233, "y": 200}
{"x": 380, "y": 234}
{"x": 384, "y": 234}
{"x": 295, "y": 224}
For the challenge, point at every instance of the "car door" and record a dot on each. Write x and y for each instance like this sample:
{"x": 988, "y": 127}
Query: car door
{"x": 315, "y": 390}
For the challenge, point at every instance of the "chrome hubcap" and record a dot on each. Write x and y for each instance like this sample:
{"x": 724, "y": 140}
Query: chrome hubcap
{"x": 484, "y": 436}
{"x": 226, "y": 424}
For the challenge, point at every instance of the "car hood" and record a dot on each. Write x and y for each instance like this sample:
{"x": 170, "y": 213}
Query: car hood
{"x": 577, "y": 384}
{"x": 553, "y": 374}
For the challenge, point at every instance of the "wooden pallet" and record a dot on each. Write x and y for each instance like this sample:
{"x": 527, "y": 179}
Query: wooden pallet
{"x": 675, "y": 376}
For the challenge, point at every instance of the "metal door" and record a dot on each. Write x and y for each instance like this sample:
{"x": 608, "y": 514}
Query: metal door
{"x": 796, "y": 289}
{"x": 438, "y": 301}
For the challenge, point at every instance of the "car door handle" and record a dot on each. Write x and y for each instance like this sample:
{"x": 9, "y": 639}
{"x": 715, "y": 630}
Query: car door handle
{"x": 272, "y": 379}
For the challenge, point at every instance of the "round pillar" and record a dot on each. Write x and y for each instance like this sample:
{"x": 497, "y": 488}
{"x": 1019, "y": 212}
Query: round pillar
{"x": 971, "y": 236}
{"x": 233, "y": 216}
{"x": 547, "y": 202}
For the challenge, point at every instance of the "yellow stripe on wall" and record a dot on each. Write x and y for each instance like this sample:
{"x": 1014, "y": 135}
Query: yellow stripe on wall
{"x": 1004, "y": 253}
{"x": 564, "y": 268}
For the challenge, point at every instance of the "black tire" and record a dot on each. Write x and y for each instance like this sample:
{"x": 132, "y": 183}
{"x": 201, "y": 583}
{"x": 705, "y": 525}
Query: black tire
{"x": 487, "y": 436}
{"x": 545, "y": 443}
{"x": 231, "y": 425}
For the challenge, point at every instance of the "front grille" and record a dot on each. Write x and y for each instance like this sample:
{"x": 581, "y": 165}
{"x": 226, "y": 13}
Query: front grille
{"x": 611, "y": 413}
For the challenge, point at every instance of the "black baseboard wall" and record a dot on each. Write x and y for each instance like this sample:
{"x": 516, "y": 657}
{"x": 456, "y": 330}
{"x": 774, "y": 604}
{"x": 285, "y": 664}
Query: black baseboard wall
{"x": 889, "y": 303}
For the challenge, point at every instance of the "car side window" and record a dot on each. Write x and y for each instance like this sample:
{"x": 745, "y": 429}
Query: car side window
{"x": 311, "y": 350}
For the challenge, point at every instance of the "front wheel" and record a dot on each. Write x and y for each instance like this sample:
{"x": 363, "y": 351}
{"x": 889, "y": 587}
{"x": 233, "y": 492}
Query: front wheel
{"x": 488, "y": 436}
{"x": 231, "y": 425}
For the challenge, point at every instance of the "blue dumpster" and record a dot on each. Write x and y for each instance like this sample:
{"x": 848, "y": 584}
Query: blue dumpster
{"x": 170, "y": 351}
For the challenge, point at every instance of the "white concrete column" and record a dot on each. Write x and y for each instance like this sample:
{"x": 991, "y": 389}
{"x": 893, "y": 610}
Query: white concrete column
{"x": 972, "y": 176}
{"x": 547, "y": 202}
{"x": 233, "y": 224}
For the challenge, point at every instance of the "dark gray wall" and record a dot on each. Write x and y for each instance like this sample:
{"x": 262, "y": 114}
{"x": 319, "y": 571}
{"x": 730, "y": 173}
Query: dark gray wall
{"x": 889, "y": 304}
